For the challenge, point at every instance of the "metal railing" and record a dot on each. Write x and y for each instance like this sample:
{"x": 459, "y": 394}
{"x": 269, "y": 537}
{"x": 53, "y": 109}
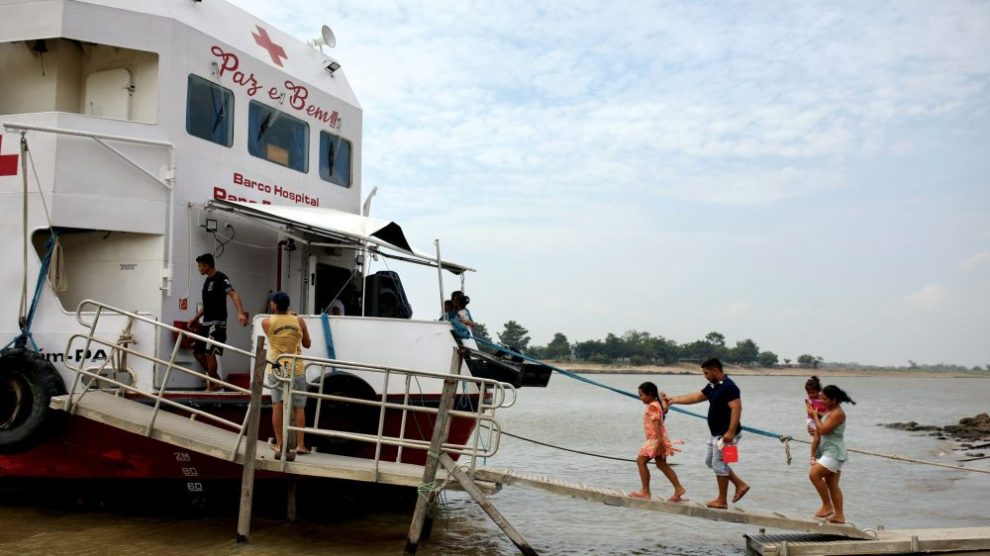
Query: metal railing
{"x": 120, "y": 349}
{"x": 485, "y": 395}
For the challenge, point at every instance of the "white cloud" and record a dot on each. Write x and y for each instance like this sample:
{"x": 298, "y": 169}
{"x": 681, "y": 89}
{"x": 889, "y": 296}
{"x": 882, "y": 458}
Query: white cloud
{"x": 976, "y": 261}
{"x": 929, "y": 299}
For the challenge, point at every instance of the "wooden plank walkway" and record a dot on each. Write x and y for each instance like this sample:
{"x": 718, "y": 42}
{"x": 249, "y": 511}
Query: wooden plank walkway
{"x": 613, "y": 497}
{"x": 959, "y": 541}
{"x": 205, "y": 438}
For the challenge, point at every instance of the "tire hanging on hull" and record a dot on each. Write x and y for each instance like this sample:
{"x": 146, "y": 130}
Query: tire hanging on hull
{"x": 27, "y": 383}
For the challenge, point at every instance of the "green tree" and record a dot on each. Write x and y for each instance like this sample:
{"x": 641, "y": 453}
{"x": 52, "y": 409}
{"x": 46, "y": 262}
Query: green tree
{"x": 767, "y": 359}
{"x": 809, "y": 361}
{"x": 637, "y": 344}
{"x": 480, "y": 331}
{"x": 584, "y": 351}
{"x": 558, "y": 348}
{"x": 715, "y": 338}
{"x": 513, "y": 334}
{"x": 746, "y": 351}
{"x": 663, "y": 350}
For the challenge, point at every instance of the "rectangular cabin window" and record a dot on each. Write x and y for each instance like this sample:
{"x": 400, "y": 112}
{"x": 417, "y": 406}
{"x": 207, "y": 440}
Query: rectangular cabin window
{"x": 278, "y": 137}
{"x": 210, "y": 111}
{"x": 335, "y": 159}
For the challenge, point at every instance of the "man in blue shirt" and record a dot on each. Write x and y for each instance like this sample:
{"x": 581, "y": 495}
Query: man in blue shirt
{"x": 724, "y": 413}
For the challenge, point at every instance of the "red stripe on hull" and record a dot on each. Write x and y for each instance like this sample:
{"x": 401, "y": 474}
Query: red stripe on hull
{"x": 84, "y": 449}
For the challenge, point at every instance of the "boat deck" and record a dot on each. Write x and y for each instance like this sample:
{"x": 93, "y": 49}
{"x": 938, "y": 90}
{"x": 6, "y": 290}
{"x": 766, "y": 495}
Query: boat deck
{"x": 206, "y": 438}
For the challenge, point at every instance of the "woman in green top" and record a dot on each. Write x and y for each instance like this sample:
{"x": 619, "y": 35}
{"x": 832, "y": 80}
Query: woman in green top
{"x": 830, "y": 428}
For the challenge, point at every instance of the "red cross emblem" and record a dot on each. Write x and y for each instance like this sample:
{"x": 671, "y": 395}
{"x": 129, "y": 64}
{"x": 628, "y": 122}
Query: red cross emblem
{"x": 274, "y": 50}
{"x": 8, "y": 162}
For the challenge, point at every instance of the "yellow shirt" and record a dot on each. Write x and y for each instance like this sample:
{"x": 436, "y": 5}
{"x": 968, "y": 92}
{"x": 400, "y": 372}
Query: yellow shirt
{"x": 284, "y": 337}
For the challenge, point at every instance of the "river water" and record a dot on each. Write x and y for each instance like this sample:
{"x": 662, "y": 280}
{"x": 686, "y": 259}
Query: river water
{"x": 569, "y": 413}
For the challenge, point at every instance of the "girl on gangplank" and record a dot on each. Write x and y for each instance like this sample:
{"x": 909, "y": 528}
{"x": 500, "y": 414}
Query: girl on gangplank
{"x": 657, "y": 446}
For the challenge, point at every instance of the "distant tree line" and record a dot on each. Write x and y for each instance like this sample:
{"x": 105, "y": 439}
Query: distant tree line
{"x": 642, "y": 348}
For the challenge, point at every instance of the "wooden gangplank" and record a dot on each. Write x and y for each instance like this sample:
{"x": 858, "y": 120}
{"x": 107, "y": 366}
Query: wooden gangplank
{"x": 205, "y": 438}
{"x": 613, "y": 497}
{"x": 956, "y": 541}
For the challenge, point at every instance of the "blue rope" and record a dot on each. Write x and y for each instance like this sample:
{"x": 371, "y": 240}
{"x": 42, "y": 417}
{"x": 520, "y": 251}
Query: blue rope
{"x": 25, "y": 336}
{"x": 328, "y": 336}
{"x": 770, "y": 434}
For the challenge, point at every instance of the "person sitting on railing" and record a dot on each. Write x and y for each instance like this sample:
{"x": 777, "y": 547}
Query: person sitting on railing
{"x": 286, "y": 332}
{"x": 461, "y": 330}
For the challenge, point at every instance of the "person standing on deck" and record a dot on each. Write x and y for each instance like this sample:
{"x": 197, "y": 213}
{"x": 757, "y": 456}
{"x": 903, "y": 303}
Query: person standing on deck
{"x": 724, "y": 414}
{"x": 216, "y": 289}
{"x": 286, "y": 332}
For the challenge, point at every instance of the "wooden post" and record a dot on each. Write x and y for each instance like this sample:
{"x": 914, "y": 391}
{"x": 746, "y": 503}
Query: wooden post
{"x": 290, "y": 499}
{"x": 441, "y": 426}
{"x": 468, "y": 485}
{"x": 251, "y": 443}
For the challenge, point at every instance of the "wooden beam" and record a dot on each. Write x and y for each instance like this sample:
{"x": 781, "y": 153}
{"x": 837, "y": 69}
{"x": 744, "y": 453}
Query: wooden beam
{"x": 251, "y": 443}
{"x": 468, "y": 485}
{"x": 441, "y": 426}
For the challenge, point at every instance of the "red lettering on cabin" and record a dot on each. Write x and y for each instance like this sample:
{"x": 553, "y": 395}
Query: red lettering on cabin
{"x": 298, "y": 94}
{"x": 8, "y": 162}
{"x": 271, "y": 189}
{"x": 222, "y": 194}
{"x": 229, "y": 61}
{"x": 274, "y": 50}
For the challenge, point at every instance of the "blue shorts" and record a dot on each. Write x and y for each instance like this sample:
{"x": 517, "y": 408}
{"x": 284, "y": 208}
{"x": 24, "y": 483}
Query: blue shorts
{"x": 278, "y": 394}
{"x": 714, "y": 457}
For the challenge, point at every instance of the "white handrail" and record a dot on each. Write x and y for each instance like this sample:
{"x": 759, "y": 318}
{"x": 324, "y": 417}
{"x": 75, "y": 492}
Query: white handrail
{"x": 490, "y": 395}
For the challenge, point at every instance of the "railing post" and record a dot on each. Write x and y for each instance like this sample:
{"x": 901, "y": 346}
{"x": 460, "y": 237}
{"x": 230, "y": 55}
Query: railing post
{"x": 251, "y": 443}
{"x": 441, "y": 427}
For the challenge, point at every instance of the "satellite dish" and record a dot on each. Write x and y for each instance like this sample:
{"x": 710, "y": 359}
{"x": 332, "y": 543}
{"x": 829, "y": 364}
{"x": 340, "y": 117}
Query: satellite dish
{"x": 328, "y": 38}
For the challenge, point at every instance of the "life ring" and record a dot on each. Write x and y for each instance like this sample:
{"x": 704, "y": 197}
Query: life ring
{"x": 27, "y": 383}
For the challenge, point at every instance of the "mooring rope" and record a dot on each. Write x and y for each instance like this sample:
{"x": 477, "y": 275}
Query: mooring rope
{"x": 784, "y": 438}
{"x": 761, "y": 432}
{"x": 899, "y": 457}
{"x": 571, "y": 450}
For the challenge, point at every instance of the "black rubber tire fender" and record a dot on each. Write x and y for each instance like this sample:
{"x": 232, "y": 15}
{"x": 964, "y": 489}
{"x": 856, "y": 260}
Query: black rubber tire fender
{"x": 27, "y": 383}
{"x": 343, "y": 416}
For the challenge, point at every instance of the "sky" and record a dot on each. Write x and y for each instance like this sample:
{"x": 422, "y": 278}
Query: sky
{"x": 814, "y": 176}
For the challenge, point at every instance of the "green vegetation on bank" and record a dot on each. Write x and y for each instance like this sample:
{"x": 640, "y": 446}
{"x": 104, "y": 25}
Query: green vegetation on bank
{"x": 635, "y": 348}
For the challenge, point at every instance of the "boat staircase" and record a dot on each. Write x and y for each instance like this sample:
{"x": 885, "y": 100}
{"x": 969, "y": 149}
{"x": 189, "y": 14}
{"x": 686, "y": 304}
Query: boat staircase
{"x": 110, "y": 393}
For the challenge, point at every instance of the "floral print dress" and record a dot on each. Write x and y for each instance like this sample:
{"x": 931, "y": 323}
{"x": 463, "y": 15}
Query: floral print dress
{"x": 653, "y": 448}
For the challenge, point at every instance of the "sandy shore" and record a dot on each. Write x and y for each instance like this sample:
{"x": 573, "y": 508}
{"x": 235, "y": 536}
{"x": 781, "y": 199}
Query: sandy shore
{"x": 693, "y": 369}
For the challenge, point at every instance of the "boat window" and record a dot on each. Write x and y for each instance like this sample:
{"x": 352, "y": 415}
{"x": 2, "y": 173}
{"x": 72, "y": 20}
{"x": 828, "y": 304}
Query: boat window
{"x": 278, "y": 137}
{"x": 210, "y": 111}
{"x": 335, "y": 159}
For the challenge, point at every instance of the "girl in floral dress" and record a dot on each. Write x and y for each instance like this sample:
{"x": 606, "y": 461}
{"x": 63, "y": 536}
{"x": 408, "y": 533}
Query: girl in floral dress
{"x": 657, "y": 446}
